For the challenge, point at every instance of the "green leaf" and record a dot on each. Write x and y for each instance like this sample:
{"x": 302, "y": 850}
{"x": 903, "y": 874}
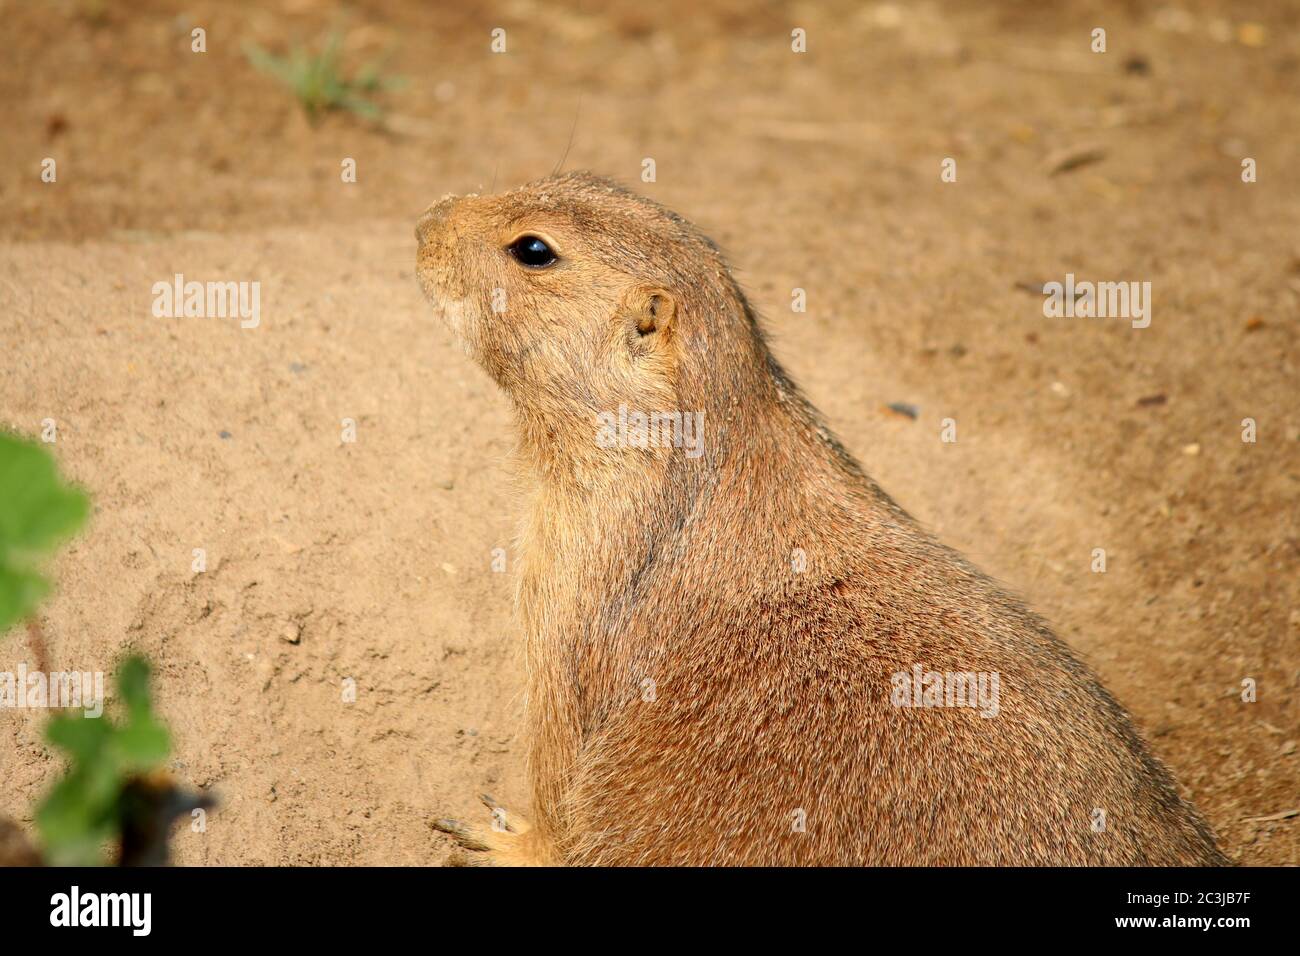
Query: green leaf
{"x": 133, "y": 686}
{"x": 20, "y": 592}
{"x": 82, "y": 737}
{"x": 142, "y": 745}
{"x": 37, "y": 511}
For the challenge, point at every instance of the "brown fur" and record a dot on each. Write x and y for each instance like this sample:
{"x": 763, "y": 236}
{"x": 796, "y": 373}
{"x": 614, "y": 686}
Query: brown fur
{"x": 772, "y": 686}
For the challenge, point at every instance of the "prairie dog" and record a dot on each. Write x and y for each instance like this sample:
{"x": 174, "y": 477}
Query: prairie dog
{"x": 740, "y": 650}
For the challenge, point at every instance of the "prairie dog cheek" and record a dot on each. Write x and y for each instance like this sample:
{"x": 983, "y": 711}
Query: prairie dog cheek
{"x": 460, "y": 314}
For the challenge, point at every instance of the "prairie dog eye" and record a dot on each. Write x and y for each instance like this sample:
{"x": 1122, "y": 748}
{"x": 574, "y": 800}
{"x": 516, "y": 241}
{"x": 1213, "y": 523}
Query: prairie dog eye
{"x": 532, "y": 252}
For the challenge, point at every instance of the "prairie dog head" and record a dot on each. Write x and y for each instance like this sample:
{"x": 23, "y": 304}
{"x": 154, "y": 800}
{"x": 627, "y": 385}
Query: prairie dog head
{"x": 577, "y": 296}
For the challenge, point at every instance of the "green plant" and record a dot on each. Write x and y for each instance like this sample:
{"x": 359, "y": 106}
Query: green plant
{"x": 37, "y": 511}
{"x": 107, "y": 791}
{"x": 318, "y": 81}
{"x": 92, "y": 803}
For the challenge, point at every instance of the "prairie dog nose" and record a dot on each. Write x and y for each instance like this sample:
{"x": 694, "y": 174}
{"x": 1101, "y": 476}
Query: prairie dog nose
{"x": 434, "y": 217}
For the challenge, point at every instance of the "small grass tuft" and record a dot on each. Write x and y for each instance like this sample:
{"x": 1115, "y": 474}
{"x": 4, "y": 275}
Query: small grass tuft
{"x": 318, "y": 82}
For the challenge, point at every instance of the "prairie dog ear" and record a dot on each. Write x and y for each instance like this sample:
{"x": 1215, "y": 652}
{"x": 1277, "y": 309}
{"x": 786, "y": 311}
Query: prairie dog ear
{"x": 652, "y": 310}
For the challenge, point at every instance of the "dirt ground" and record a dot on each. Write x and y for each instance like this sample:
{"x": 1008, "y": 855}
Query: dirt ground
{"x": 373, "y": 560}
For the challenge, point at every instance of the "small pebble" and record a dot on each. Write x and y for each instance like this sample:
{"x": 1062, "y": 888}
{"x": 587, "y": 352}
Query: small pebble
{"x": 1137, "y": 65}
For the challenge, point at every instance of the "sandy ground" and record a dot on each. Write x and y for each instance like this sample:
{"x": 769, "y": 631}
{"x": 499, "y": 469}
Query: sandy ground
{"x": 373, "y": 560}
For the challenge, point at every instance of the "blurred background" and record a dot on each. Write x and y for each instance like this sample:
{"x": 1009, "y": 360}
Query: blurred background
{"x": 817, "y": 170}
